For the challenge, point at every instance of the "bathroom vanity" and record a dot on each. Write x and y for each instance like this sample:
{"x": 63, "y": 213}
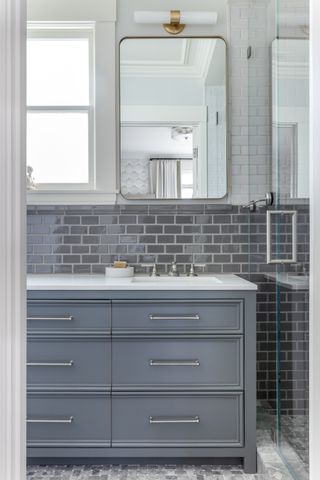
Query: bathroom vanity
{"x": 141, "y": 368}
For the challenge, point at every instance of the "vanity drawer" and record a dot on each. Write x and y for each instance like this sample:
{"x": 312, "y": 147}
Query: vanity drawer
{"x": 213, "y": 315}
{"x": 62, "y": 420}
{"x": 61, "y": 315}
{"x": 177, "y": 420}
{"x": 175, "y": 363}
{"x": 69, "y": 362}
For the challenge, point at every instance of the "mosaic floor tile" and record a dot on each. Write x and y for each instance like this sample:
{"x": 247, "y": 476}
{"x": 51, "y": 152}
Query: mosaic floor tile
{"x": 115, "y": 472}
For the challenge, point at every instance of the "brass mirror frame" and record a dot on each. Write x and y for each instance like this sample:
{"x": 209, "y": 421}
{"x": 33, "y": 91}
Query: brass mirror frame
{"x": 227, "y": 142}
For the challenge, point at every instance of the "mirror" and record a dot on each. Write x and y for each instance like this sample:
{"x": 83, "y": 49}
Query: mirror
{"x": 290, "y": 117}
{"x": 173, "y": 119}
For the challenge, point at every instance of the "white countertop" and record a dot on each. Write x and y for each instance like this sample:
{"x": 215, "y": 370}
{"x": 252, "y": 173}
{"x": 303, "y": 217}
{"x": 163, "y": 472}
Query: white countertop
{"x": 290, "y": 280}
{"x": 101, "y": 282}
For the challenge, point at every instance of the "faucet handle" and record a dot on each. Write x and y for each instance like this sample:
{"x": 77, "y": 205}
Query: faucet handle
{"x": 173, "y": 272}
{"x": 153, "y": 272}
{"x": 300, "y": 268}
{"x": 192, "y": 272}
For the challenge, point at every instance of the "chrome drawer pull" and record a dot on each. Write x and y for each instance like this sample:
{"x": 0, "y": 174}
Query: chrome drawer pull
{"x": 174, "y": 317}
{"x": 50, "y": 420}
{"x": 50, "y": 364}
{"x": 64, "y": 319}
{"x": 174, "y": 419}
{"x": 174, "y": 363}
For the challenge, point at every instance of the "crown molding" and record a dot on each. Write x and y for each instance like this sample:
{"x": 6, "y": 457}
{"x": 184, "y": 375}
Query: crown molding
{"x": 194, "y": 62}
{"x": 72, "y": 10}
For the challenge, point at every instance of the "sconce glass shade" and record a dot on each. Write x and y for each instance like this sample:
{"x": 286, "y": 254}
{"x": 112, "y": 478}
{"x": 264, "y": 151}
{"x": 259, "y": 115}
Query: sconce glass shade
{"x": 162, "y": 17}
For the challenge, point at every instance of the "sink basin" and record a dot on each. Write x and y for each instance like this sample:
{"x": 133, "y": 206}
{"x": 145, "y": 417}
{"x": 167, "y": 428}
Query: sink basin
{"x": 203, "y": 279}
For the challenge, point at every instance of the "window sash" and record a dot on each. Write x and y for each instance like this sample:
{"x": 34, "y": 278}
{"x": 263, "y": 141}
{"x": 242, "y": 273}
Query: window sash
{"x": 83, "y": 30}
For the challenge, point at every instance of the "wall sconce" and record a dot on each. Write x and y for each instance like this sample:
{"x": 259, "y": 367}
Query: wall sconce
{"x": 175, "y": 21}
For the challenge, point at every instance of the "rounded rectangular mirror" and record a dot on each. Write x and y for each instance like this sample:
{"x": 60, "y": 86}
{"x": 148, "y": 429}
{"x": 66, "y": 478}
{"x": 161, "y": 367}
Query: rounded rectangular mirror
{"x": 173, "y": 118}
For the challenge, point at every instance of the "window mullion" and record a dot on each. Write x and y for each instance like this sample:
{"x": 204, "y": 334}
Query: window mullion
{"x": 59, "y": 108}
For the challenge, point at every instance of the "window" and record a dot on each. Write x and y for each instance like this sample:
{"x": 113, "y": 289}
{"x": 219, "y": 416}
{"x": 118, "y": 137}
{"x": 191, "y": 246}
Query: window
{"x": 60, "y": 107}
{"x": 186, "y": 179}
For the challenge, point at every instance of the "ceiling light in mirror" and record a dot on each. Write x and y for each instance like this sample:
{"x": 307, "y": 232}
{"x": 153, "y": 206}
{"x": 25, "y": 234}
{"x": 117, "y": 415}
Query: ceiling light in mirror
{"x": 181, "y": 134}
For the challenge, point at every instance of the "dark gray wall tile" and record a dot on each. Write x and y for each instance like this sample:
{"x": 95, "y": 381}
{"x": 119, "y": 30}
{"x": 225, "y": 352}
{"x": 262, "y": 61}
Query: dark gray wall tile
{"x": 72, "y": 239}
{"x": 78, "y": 230}
{"x": 90, "y": 220}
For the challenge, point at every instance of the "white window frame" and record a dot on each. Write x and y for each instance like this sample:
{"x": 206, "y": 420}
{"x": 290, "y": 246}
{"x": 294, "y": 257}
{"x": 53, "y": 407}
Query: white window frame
{"x": 53, "y": 31}
{"x": 102, "y": 14}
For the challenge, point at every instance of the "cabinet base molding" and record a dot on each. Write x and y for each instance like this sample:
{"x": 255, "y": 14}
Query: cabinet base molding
{"x": 151, "y": 456}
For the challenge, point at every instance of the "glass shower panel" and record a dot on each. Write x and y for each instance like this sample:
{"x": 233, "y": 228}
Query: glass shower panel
{"x": 290, "y": 164}
{"x": 279, "y": 235}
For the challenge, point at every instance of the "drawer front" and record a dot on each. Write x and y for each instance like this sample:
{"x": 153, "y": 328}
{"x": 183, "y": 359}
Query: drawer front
{"x": 71, "y": 362}
{"x": 189, "y": 420}
{"x": 213, "y": 363}
{"x": 60, "y": 315}
{"x": 68, "y": 421}
{"x": 222, "y": 316}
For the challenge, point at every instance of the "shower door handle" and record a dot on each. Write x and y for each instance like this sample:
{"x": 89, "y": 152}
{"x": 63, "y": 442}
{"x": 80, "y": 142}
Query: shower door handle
{"x": 283, "y": 260}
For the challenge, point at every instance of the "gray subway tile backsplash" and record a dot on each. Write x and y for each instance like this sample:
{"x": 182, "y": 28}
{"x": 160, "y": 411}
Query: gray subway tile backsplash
{"x": 220, "y": 233}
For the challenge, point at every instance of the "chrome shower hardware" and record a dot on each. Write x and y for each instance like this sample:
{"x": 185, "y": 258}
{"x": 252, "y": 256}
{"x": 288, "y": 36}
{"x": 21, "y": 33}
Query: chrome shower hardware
{"x": 267, "y": 201}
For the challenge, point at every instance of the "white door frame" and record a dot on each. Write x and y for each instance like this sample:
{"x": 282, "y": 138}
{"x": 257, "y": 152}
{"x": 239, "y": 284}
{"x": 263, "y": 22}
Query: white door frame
{"x": 315, "y": 241}
{"x": 12, "y": 240}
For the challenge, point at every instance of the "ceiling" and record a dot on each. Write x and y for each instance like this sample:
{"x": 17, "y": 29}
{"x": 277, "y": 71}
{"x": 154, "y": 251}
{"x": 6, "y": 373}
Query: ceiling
{"x": 167, "y": 57}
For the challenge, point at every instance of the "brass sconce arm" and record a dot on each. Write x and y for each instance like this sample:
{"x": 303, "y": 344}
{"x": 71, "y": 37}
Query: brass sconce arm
{"x": 174, "y": 27}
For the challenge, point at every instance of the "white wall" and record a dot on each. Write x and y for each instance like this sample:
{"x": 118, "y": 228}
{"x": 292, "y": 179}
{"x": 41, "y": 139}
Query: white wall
{"x": 164, "y": 91}
{"x": 249, "y": 157}
{"x": 215, "y": 99}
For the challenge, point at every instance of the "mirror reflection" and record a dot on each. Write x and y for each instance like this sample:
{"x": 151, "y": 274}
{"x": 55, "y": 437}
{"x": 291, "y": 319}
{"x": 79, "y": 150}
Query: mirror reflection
{"x": 173, "y": 118}
{"x": 290, "y": 117}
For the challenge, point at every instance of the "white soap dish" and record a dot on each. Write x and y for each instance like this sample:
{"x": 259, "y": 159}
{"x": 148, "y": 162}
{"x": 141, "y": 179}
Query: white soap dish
{"x": 119, "y": 272}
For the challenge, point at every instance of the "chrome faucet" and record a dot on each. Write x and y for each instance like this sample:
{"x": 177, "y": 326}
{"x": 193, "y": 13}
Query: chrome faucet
{"x": 173, "y": 272}
{"x": 153, "y": 272}
{"x": 300, "y": 269}
{"x": 192, "y": 272}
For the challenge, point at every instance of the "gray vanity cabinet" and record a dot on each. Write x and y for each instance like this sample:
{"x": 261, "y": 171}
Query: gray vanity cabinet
{"x": 68, "y": 420}
{"x": 173, "y": 363}
{"x": 68, "y": 375}
{"x": 141, "y": 374}
{"x": 204, "y": 316}
{"x": 178, "y": 420}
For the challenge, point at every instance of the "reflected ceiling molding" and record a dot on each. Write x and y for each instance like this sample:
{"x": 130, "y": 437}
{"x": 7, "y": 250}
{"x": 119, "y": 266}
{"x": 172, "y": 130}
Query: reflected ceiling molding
{"x": 193, "y": 61}
{"x": 290, "y": 58}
